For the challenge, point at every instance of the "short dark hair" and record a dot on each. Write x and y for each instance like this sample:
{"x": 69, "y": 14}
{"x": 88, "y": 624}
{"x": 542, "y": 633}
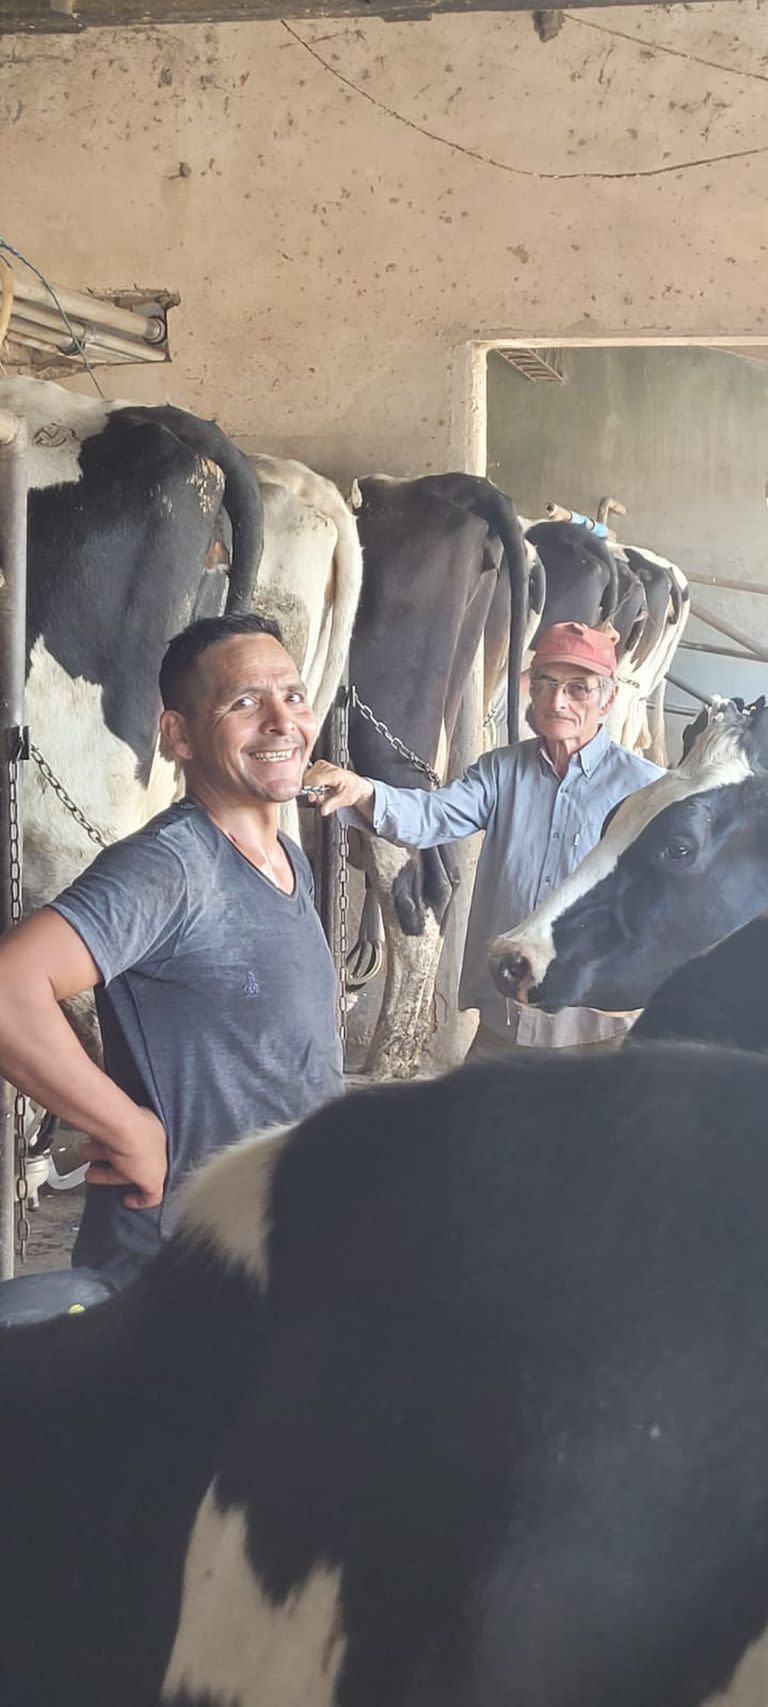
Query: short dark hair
{"x": 182, "y": 652}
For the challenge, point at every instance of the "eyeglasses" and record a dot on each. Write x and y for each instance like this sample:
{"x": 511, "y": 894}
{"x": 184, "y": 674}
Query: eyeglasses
{"x": 576, "y": 690}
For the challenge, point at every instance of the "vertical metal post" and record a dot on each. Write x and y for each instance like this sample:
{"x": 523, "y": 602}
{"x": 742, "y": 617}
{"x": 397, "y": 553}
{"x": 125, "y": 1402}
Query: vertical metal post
{"x": 449, "y": 1044}
{"x": 333, "y": 895}
{"x": 13, "y": 628}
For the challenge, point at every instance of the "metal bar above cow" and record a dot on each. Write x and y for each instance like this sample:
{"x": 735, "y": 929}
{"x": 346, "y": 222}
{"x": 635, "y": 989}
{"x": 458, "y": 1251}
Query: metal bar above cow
{"x": 717, "y": 584}
{"x": 730, "y": 631}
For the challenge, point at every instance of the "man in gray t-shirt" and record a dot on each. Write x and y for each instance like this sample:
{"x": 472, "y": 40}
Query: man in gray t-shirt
{"x": 215, "y": 990}
{"x": 217, "y": 1008}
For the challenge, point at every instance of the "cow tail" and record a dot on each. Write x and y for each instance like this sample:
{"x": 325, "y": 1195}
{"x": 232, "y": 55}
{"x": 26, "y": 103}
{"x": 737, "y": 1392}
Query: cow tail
{"x": 513, "y": 541}
{"x": 242, "y": 499}
{"x": 537, "y": 585}
{"x": 348, "y": 580}
{"x": 242, "y": 502}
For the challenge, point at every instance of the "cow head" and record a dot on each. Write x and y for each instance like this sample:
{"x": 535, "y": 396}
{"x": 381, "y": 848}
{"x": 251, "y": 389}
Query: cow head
{"x": 752, "y": 720}
{"x": 681, "y": 864}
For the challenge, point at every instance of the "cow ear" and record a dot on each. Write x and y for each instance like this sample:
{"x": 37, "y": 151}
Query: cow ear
{"x": 757, "y": 740}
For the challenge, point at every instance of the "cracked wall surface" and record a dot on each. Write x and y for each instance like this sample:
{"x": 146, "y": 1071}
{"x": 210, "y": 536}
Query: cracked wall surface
{"x": 343, "y": 205}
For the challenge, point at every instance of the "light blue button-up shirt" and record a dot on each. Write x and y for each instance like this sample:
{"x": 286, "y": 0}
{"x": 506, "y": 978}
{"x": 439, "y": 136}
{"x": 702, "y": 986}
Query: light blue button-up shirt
{"x": 537, "y": 830}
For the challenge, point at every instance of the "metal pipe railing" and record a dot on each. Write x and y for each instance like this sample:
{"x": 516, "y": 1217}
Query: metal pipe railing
{"x": 13, "y": 603}
{"x": 717, "y": 651}
{"x": 685, "y": 687}
{"x": 130, "y": 321}
{"x": 57, "y": 336}
{"x": 730, "y": 631}
{"x": 716, "y": 584}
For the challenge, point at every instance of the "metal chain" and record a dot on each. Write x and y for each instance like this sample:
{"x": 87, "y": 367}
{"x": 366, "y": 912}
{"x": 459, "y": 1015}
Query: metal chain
{"x": 19, "y": 1101}
{"x": 343, "y": 879}
{"x": 24, "y": 748}
{"x": 398, "y": 746}
{"x": 66, "y": 799}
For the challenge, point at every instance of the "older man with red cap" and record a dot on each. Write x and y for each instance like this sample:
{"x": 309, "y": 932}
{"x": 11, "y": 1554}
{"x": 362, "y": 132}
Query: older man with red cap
{"x": 542, "y": 805}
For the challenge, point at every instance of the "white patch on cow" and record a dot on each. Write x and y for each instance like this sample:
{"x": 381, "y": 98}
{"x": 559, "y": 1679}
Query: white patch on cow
{"x": 627, "y": 720}
{"x": 98, "y": 770}
{"x": 166, "y": 784}
{"x": 309, "y": 580}
{"x": 233, "y": 1644}
{"x": 226, "y": 1206}
{"x": 718, "y": 758}
{"x": 533, "y": 617}
{"x": 57, "y": 422}
{"x": 441, "y": 758}
{"x": 311, "y": 571}
{"x": 653, "y": 557}
{"x": 749, "y": 1684}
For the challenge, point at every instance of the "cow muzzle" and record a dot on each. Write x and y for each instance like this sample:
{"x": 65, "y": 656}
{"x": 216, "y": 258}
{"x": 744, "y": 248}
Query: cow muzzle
{"x": 512, "y": 975}
{"x": 517, "y": 968}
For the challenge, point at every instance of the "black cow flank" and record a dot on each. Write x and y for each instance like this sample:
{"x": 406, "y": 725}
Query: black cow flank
{"x": 506, "y": 1382}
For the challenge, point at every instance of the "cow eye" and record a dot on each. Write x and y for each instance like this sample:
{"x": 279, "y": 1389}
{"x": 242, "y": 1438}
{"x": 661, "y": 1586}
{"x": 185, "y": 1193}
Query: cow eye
{"x": 677, "y": 850}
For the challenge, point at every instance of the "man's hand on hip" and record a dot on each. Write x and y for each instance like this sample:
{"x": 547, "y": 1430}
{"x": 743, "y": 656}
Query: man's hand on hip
{"x": 138, "y": 1159}
{"x": 346, "y": 789}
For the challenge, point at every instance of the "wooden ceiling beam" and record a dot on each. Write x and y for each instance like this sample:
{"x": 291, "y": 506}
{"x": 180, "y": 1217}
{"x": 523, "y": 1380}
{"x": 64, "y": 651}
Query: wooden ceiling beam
{"x": 35, "y": 17}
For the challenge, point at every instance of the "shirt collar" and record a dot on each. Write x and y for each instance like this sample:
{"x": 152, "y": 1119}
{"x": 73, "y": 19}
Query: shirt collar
{"x": 587, "y": 757}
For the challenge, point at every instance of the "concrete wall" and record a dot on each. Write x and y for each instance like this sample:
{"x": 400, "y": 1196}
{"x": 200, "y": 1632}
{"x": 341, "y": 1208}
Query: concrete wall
{"x": 681, "y": 437}
{"x": 360, "y": 200}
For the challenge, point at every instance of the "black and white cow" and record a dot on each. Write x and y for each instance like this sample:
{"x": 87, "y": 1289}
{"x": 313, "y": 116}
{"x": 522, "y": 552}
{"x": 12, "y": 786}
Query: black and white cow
{"x": 131, "y": 511}
{"x": 454, "y": 1396}
{"x": 718, "y": 997}
{"x": 643, "y": 596}
{"x": 681, "y": 864}
{"x": 588, "y": 581}
{"x": 442, "y": 553}
{"x": 636, "y": 718}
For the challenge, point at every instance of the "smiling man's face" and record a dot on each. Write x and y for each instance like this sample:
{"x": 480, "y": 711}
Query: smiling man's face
{"x": 248, "y": 729}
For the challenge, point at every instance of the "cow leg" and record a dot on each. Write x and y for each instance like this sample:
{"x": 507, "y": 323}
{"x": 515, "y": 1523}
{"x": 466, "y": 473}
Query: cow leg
{"x": 404, "y": 1021}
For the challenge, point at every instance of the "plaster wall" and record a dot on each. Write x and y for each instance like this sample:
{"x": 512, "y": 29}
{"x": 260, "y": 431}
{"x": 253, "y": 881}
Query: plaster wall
{"x": 345, "y": 205}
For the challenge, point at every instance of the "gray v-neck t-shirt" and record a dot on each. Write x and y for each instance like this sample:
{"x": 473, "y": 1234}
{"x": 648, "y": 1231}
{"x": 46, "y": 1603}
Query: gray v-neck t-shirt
{"x": 218, "y": 1007}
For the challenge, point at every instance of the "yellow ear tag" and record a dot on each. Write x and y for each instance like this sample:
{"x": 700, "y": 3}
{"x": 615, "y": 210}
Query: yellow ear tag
{"x": 76, "y": 1310}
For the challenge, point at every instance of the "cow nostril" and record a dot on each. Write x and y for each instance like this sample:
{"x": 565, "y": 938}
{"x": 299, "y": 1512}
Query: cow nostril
{"x": 512, "y": 970}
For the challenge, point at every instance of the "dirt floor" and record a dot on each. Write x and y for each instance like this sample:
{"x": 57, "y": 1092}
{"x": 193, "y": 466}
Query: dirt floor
{"x": 55, "y": 1223}
{"x": 53, "y": 1228}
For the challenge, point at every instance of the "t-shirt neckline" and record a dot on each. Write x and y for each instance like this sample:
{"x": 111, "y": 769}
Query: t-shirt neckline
{"x": 274, "y": 888}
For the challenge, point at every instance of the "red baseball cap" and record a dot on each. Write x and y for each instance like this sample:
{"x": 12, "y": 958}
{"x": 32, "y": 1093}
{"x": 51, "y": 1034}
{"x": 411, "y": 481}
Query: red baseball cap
{"x": 574, "y": 643}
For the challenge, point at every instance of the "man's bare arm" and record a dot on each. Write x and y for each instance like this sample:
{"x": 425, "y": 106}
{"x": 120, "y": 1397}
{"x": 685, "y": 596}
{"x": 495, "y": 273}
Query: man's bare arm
{"x": 42, "y": 962}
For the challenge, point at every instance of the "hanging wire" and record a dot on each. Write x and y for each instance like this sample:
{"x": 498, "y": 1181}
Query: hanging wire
{"x": 77, "y": 344}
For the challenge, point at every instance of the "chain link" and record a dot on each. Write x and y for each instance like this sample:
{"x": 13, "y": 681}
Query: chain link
{"x": 22, "y": 749}
{"x": 343, "y": 879}
{"x": 66, "y": 799}
{"x": 394, "y": 741}
{"x": 19, "y": 1101}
